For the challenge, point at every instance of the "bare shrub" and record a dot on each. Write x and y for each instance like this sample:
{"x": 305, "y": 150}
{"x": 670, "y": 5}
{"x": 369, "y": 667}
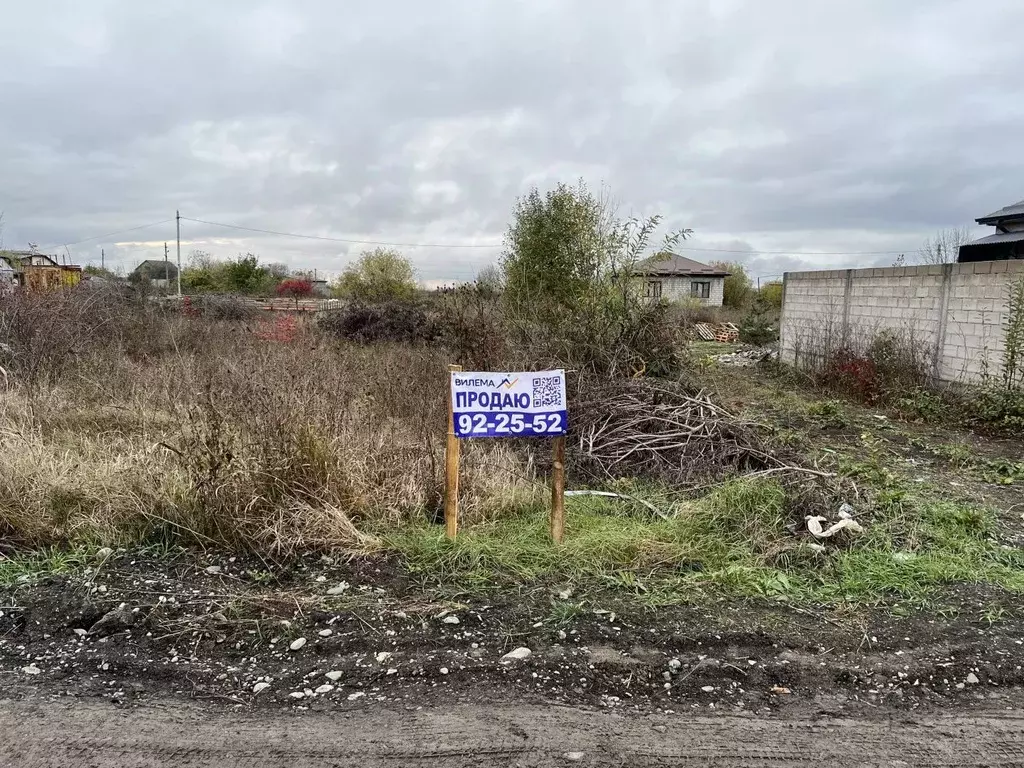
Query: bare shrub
{"x": 44, "y": 334}
{"x": 470, "y": 324}
{"x": 396, "y": 321}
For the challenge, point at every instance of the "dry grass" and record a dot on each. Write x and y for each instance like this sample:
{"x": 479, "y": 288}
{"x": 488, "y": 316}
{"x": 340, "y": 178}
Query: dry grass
{"x": 222, "y": 437}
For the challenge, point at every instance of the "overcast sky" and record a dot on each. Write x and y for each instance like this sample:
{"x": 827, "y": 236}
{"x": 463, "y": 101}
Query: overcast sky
{"x": 789, "y": 126}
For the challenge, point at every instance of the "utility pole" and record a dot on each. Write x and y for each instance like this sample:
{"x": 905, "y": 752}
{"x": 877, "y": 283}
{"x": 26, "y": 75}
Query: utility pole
{"x": 177, "y": 220}
{"x": 167, "y": 272}
{"x": 103, "y": 259}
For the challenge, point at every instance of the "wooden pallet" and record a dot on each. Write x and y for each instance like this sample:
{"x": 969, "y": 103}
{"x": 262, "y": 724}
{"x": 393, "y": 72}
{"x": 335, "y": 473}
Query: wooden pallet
{"x": 705, "y": 331}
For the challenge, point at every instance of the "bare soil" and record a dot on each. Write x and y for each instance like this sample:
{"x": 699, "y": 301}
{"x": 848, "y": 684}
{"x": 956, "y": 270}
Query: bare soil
{"x": 140, "y": 629}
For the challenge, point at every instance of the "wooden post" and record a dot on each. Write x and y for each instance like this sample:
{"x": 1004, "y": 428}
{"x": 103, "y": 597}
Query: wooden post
{"x": 451, "y": 468}
{"x": 558, "y": 490}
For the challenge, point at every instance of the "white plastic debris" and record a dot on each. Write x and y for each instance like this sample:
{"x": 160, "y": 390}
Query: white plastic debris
{"x": 814, "y": 526}
{"x": 519, "y": 654}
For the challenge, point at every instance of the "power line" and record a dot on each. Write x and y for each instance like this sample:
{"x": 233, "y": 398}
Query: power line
{"x": 340, "y": 239}
{"x": 456, "y": 245}
{"x": 109, "y": 234}
{"x": 495, "y": 245}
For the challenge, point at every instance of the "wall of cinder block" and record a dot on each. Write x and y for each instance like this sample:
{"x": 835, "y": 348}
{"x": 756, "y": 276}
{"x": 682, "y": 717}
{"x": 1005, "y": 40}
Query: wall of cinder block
{"x": 958, "y": 312}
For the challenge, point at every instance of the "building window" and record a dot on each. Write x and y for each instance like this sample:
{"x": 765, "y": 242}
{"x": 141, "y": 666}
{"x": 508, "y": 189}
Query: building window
{"x": 654, "y": 289}
{"x": 700, "y": 289}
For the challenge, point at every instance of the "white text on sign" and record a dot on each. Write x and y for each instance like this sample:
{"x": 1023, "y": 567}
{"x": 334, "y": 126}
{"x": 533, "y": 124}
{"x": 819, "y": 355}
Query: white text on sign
{"x": 486, "y": 404}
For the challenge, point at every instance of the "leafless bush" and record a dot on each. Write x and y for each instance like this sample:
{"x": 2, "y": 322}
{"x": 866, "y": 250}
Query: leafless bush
{"x": 394, "y": 321}
{"x": 44, "y": 334}
{"x": 874, "y": 365}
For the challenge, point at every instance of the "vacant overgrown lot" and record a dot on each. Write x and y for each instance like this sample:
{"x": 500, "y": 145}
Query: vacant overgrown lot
{"x": 186, "y": 493}
{"x": 126, "y": 424}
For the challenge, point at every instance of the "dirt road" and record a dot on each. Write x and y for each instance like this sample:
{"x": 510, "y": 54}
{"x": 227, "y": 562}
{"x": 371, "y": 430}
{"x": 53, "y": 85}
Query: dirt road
{"x": 46, "y": 733}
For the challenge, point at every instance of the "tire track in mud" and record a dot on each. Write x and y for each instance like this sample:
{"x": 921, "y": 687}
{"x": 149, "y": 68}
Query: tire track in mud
{"x": 52, "y": 733}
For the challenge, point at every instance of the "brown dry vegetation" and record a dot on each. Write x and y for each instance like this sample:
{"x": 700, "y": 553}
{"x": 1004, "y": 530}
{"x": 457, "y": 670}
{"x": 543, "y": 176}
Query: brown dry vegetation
{"x": 121, "y": 422}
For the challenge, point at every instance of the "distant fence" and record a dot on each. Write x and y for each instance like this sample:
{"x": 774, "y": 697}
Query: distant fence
{"x": 297, "y": 305}
{"x": 272, "y": 304}
{"x": 960, "y": 311}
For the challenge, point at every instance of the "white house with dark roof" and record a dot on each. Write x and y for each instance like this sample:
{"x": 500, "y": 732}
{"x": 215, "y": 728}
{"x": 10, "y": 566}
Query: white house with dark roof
{"x": 676, "y": 278}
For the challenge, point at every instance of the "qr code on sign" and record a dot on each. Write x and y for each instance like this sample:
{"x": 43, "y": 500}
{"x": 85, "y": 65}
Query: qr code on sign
{"x": 547, "y": 391}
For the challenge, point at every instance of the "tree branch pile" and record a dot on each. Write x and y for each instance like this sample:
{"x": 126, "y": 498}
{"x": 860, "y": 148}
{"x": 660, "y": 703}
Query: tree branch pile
{"x": 662, "y": 430}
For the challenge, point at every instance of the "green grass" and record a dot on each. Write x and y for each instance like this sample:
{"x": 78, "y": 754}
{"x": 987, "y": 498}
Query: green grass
{"x": 29, "y": 567}
{"x": 705, "y": 348}
{"x": 732, "y": 543}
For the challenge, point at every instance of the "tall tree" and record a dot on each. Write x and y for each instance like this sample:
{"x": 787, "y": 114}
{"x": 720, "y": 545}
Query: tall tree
{"x": 944, "y": 246}
{"x": 382, "y": 274}
{"x": 737, "y": 288}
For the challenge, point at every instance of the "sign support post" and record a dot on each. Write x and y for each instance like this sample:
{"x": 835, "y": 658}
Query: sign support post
{"x": 506, "y": 404}
{"x": 451, "y": 468}
{"x": 558, "y": 490}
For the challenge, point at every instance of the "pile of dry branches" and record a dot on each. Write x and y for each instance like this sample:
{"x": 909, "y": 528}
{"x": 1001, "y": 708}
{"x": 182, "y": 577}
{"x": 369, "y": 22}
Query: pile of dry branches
{"x": 657, "y": 429}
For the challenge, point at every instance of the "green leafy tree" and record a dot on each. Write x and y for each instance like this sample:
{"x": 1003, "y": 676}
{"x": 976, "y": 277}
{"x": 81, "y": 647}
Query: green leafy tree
{"x": 772, "y": 294}
{"x": 245, "y": 275}
{"x": 557, "y": 247}
{"x": 94, "y": 271}
{"x": 568, "y": 269}
{"x": 738, "y": 288}
{"x": 379, "y": 275}
{"x": 202, "y": 275}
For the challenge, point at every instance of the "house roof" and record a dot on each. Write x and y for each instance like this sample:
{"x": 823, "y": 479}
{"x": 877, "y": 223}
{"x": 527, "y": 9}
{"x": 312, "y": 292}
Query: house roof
{"x": 999, "y": 237}
{"x": 677, "y": 266}
{"x": 1007, "y": 212}
{"x": 23, "y": 258}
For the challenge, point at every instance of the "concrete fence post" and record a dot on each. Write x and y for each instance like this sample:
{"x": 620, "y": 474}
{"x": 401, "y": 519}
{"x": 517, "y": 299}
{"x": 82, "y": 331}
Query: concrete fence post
{"x": 847, "y": 293}
{"x": 940, "y": 335}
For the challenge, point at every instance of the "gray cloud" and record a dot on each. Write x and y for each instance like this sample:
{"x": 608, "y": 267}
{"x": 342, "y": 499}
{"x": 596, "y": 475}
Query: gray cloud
{"x": 813, "y": 130}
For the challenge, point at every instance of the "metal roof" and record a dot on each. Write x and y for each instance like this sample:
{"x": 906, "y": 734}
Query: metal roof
{"x": 1000, "y": 237}
{"x": 677, "y": 266}
{"x": 1007, "y": 212}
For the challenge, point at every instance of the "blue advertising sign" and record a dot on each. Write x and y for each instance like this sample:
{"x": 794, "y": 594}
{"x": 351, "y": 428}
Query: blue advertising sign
{"x": 487, "y": 404}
